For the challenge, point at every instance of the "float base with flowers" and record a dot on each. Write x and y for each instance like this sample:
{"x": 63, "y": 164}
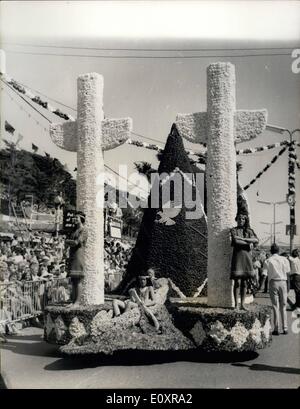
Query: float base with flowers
{"x": 186, "y": 324}
{"x": 223, "y": 329}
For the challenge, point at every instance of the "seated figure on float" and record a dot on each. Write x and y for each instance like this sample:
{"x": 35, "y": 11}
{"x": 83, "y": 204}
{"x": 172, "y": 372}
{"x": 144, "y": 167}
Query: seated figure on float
{"x": 141, "y": 296}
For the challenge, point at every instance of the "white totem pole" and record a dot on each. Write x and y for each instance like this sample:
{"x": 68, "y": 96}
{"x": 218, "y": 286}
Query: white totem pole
{"x": 220, "y": 128}
{"x": 88, "y": 136}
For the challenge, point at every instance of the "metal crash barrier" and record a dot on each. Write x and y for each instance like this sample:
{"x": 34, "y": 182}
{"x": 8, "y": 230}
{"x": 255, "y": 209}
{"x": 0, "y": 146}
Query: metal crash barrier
{"x": 24, "y": 300}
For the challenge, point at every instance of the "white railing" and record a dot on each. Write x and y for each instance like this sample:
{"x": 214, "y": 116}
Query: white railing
{"x": 23, "y": 300}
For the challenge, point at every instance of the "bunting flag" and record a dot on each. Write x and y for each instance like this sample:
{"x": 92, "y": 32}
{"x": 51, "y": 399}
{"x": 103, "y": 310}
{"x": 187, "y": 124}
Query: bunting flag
{"x": 9, "y": 128}
{"x": 266, "y": 167}
{"x": 34, "y": 147}
{"x": 35, "y": 98}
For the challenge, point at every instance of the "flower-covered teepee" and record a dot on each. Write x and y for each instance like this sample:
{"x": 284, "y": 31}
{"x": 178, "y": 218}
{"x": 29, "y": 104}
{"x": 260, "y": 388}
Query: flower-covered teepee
{"x": 174, "y": 246}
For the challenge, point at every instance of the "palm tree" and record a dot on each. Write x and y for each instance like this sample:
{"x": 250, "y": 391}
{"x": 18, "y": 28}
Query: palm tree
{"x": 144, "y": 168}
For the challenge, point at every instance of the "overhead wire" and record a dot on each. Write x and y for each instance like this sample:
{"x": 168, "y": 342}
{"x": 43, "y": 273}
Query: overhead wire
{"x": 47, "y": 96}
{"x": 25, "y": 100}
{"x": 147, "y": 56}
{"x": 133, "y": 184}
{"x": 70, "y": 47}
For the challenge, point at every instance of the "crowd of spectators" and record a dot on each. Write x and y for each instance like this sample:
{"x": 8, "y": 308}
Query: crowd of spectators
{"x": 38, "y": 256}
{"x": 34, "y": 272}
{"x": 116, "y": 258}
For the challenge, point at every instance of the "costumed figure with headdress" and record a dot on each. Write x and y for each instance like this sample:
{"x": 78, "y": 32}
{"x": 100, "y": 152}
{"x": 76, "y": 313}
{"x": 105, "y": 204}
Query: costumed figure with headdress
{"x": 77, "y": 243}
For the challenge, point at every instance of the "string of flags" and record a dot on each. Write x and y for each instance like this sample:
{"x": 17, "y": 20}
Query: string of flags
{"x": 266, "y": 167}
{"x": 35, "y": 98}
{"x": 45, "y": 104}
{"x": 245, "y": 151}
{"x": 9, "y": 128}
{"x": 286, "y": 144}
{"x": 28, "y": 113}
{"x": 152, "y": 146}
{"x": 293, "y": 161}
{"x": 261, "y": 148}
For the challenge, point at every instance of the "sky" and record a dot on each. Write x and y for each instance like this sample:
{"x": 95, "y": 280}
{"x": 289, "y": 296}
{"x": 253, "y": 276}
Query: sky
{"x": 153, "y": 57}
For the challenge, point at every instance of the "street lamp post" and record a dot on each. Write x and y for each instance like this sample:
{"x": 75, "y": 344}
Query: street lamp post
{"x": 291, "y": 195}
{"x": 274, "y": 215}
{"x": 273, "y": 232}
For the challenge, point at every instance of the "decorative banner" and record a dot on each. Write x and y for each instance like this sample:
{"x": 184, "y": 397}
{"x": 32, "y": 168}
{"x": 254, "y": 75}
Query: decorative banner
{"x": 266, "y": 167}
{"x": 35, "y": 98}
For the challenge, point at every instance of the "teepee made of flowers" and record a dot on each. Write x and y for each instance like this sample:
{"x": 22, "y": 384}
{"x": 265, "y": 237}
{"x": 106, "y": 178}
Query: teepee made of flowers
{"x": 170, "y": 243}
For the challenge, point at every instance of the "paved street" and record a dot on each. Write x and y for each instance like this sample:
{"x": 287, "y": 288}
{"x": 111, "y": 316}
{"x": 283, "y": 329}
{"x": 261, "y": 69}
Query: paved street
{"x": 28, "y": 362}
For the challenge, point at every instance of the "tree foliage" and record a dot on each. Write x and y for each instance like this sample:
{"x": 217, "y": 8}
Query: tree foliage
{"x": 25, "y": 173}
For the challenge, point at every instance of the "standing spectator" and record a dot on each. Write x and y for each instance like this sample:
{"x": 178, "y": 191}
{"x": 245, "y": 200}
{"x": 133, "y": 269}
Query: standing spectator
{"x": 276, "y": 269}
{"x": 266, "y": 279}
{"x": 256, "y": 268}
{"x": 295, "y": 277}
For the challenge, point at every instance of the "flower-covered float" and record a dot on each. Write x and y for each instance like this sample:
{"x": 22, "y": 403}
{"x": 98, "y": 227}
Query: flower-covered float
{"x": 187, "y": 323}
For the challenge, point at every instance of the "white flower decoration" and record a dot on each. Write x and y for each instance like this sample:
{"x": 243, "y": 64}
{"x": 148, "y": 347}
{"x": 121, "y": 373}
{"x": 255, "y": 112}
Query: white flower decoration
{"x": 256, "y": 331}
{"x": 218, "y": 332}
{"x": 101, "y": 322}
{"x": 198, "y": 333}
{"x": 76, "y": 328}
{"x": 60, "y": 328}
{"x": 239, "y": 334}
